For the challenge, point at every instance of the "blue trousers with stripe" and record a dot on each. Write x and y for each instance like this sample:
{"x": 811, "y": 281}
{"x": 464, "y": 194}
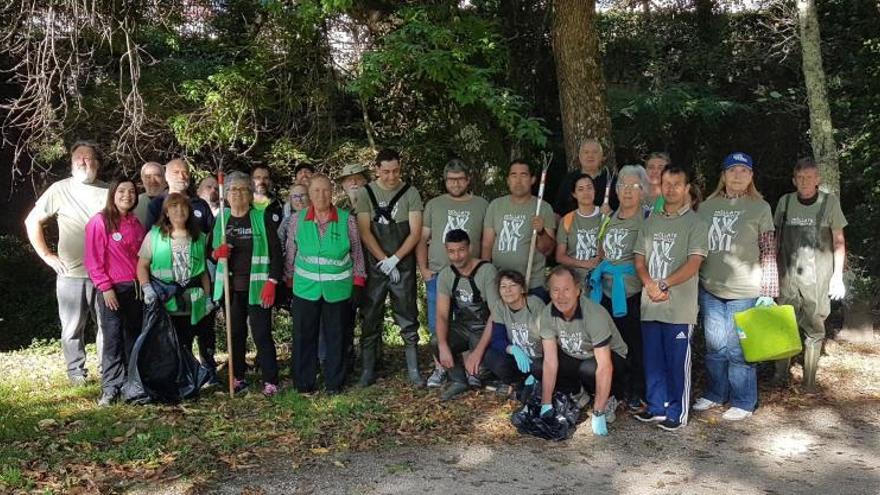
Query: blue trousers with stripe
{"x": 667, "y": 362}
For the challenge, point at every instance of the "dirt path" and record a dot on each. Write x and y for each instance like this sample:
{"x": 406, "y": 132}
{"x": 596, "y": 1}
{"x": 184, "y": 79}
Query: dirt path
{"x": 823, "y": 449}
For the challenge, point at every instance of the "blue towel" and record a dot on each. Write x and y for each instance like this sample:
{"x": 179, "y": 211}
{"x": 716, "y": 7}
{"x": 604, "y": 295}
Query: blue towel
{"x": 618, "y": 288}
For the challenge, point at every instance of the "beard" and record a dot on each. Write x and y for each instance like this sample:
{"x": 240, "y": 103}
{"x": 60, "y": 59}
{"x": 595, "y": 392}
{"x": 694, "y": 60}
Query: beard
{"x": 84, "y": 176}
{"x": 178, "y": 186}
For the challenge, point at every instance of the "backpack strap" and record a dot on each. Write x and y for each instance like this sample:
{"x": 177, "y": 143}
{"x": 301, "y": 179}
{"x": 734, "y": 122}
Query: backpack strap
{"x": 385, "y": 211}
{"x": 478, "y": 297}
{"x": 823, "y": 204}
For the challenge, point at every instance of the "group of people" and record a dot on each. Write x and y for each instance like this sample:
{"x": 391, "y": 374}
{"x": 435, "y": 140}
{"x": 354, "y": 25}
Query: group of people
{"x": 638, "y": 258}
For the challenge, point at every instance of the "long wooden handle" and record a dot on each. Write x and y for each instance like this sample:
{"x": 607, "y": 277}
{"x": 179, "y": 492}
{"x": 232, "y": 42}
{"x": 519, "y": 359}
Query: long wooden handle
{"x": 534, "y": 241}
{"x": 227, "y": 298}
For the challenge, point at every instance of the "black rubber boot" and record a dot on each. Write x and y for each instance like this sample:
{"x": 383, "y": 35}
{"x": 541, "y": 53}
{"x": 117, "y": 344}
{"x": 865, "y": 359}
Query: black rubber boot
{"x": 368, "y": 367}
{"x": 781, "y": 375}
{"x": 412, "y": 365}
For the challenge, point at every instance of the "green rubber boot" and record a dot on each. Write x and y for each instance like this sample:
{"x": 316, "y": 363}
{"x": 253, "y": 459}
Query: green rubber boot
{"x": 812, "y": 351}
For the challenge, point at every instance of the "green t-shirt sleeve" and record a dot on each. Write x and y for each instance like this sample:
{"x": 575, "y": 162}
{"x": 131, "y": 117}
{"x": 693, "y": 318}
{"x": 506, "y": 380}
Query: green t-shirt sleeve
{"x": 489, "y": 219}
{"x": 698, "y": 240}
{"x": 426, "y": 215}
{"x": 488, "y": 287}
{"x": 548, "y": 216}
{"x": 765, "y": 220}
{"x": 546, "y": 329}
{"x": 836, "y": 219}
{"x": 444, "y": 282}
{"x": 414, "y": 200}
{"x": 363, "y": 202}
{"x": 639, "y": 246}
{"x": 561, "y": 234}
{"x": 600, "y": 326}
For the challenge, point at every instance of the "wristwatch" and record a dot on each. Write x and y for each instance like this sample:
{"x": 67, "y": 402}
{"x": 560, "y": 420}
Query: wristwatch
{"x": 598, "y": 414}
{"x": 662, "y": 285}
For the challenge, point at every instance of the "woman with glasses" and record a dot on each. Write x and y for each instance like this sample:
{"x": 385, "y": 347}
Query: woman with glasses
{"x": 252, "y": 255}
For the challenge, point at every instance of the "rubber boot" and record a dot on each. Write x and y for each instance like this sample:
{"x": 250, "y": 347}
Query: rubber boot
{"x": 412, "y": 365}
{"x": 812, "y": 351}
{"x": 368, "y": 367}
{"x": 781, "y": 375}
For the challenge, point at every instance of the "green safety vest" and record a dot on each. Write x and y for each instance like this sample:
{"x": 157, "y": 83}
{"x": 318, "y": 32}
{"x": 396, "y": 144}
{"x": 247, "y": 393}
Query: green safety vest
{"x": 161, "y": 267}
{"x": 259, "y": 256}
{"x": 323, "y": 266}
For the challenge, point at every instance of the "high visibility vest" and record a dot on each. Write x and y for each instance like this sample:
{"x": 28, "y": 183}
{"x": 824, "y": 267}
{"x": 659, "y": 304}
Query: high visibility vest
{"x": 161, "y": 267}
{"x": 323, "y": 266}
{"x": 259, "y": 256}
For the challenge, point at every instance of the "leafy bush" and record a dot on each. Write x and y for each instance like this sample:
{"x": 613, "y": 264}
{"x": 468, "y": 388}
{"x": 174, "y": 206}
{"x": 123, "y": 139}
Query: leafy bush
{"x": 28, "y": 307}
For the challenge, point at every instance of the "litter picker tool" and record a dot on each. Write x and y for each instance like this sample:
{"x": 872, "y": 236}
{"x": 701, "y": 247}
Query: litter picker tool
{"x": 546, "y": 158}
{"x": 223, "y": 265}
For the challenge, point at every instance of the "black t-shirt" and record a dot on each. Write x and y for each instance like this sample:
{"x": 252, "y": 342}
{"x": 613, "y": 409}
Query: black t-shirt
{"x": 240, "y": 235}
{"x": 565, "y": 202}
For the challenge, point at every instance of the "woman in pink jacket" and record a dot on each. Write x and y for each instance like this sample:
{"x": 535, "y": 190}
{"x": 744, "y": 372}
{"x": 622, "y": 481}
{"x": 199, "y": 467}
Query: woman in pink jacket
{"x": 113, "y": 238}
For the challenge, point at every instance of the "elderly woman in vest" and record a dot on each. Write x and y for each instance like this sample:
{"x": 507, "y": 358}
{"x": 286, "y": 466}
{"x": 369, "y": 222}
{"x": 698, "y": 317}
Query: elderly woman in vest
{"x": 251, "y": 252}
{"x": 173, "y": 254}
{"x": 324, "y": 263}
{"x": 739, "y": 273}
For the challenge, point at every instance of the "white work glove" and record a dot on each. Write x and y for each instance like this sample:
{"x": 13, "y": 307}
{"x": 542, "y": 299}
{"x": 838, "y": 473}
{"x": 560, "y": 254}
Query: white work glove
{"x": 149, "y": 293}
{"x": 394, "y": 275}
{"x": 388, "y": 264}
{"x": 836, "y": 290}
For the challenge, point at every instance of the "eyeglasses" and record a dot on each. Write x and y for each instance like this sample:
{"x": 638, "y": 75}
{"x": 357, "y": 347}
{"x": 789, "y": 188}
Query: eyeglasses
{"x": 240, "y": 190}
{"x": 630, "y": 187}
{"x": 299, "y": 196}
{"x": 456, "y": 179}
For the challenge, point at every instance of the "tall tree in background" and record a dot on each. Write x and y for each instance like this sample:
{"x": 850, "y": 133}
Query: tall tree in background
{"x": 821, "y": 128}
{"x": 580, "y": 78}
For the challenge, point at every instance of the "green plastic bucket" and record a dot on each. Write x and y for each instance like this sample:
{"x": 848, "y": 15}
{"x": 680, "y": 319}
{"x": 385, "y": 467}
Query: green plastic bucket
{"x": 768, "y": 333}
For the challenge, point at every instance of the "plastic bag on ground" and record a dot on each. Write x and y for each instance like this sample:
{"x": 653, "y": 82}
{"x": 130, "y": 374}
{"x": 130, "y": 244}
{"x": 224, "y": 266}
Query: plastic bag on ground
{"x": 560, "y": 426}
{"x": 158, "y": 369}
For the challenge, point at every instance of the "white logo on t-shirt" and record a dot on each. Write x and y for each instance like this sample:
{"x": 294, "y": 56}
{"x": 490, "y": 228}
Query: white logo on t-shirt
{"x": 722, "y": 231}
{"x": 586, "y": 243}
{"x": 571, "y": 342}
{"x": 511, "y": 233}
{"x": 661, "y": 254}
{"x": 614, "y": 242}
{"x": 456, "y": 219}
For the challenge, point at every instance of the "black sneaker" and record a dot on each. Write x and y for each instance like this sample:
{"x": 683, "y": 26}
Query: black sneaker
{"x": 669, "y": 425}
{"x": 646, "y": 417}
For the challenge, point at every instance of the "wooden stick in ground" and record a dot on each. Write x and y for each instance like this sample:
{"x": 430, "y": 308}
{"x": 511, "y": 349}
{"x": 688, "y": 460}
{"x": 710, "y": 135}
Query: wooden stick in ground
{"x": 547, "y": 157}
{"x": 226, "y": 295}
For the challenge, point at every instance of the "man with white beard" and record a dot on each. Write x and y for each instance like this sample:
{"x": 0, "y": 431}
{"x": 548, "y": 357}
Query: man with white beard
{"x": 72, "y": 201}
{"x": 178, "y": 177}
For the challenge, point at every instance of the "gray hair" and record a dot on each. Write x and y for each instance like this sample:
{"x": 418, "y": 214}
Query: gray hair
{"x": 456, "y": 165}
{"x": 88, "y": 144}
{"x": 152, "y": 164}
{"x": 591, "y": 140}
{"x": 633, "y": 171}
{"x": 659, "y": 154}
{"x": 236, "y": 177}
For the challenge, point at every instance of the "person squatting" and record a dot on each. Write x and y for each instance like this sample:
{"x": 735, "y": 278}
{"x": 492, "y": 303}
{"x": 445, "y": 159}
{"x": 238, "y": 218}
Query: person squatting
{"x": 638, "y": 258}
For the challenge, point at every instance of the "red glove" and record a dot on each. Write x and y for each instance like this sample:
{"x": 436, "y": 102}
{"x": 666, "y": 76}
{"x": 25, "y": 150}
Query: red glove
{"x": 221, "y": 252}
{"x": 267, "y": 295}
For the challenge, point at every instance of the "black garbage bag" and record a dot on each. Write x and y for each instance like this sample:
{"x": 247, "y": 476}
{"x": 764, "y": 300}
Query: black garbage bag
{"x": 159, "y": 370}
{"x": 560, "y": 426}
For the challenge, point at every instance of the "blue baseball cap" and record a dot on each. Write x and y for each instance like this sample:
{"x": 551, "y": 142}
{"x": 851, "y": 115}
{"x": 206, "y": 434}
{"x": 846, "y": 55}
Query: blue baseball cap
{"x": 737, "y": 158}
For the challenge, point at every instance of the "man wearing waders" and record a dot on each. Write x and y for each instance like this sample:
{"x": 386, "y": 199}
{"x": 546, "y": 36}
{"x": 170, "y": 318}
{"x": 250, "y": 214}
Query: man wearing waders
{"x": 812, "y": 250}
{"x": 466, "y": 289}
{"x": 389, "y": 216}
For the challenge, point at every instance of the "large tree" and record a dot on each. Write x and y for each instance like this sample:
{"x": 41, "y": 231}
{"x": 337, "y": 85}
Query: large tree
{"x": 579, "y": 75}
{"x": 821, "y": 128}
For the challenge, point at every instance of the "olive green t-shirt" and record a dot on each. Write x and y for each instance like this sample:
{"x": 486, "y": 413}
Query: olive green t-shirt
{"x": 484, "y": 279}
{"x": 72, "y": 204}
{"x": 410, "y": 201}
{"x": 800, "y": 215}
{"x": 580, "y": 234}
{"x": 443, "y": 214}
{"x": 521, "y": 325}
{"x": 732, "y": 270}
{"x": 512, "y": 224}
{"x": 590, "y": 328}
{"x": 666, "y": 242}
{"x": 618, "y": 243}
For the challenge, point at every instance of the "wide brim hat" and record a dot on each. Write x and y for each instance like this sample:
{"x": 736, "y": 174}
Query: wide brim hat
{"x": 353, "y": 169}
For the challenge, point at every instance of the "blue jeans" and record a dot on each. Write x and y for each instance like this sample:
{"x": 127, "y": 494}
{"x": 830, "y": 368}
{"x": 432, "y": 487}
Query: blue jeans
{"x": 431, "y": 292}
{"x": 730, "y": 376}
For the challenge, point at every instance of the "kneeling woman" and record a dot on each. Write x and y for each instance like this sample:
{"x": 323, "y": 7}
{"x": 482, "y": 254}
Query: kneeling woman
{"x": 582, "y": 348}
{"x": 512, "y": 356}
{"x": 173, "y": 253}
{"x": 113, "y": 238}
{"x": 252, "y": 254}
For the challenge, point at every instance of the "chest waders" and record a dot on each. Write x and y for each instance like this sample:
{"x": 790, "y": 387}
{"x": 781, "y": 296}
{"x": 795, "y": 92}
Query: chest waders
{"x": 390, "y": 235}
{"x": 806, "y": 262}
{"x": 467, "y": 320}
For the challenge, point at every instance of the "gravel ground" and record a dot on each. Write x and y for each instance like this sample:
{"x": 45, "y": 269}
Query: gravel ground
{"x": 811, "y": 450}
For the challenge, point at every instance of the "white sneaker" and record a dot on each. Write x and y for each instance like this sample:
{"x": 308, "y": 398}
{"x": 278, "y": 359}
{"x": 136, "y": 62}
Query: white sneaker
{"x": 704, "y": 404}
{"x": 736, "y": 414}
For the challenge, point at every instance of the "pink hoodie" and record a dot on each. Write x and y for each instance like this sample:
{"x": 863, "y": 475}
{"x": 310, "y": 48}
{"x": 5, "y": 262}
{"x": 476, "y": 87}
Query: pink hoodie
{"x": 111, "y": 258}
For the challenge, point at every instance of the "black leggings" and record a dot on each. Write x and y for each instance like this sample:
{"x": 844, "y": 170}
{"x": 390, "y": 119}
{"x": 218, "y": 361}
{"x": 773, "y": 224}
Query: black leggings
{"x": 573, "y": 374}
{"x": 630, "y": 327}
{"x": 260, "y": 320}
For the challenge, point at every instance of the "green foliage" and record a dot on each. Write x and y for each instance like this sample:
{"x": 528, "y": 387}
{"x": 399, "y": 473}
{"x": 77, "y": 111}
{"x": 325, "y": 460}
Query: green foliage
{"x": 28, "y": 307}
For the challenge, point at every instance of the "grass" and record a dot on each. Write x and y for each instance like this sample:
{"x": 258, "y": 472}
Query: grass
{"x": 54, "y": 438}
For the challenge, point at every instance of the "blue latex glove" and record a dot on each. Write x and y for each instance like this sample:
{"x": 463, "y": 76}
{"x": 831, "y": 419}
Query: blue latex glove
{"x": 522, "y": 359}
{"x": 600, "y": 426}
{"x": 546, "y": 410}
{"x": 765, "y": 301}
{"x": 530, "y": 380}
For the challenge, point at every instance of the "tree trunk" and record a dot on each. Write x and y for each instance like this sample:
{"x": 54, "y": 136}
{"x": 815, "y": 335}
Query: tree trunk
{"x": 580, "y": 78}
{"x": 821, "y": 128}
